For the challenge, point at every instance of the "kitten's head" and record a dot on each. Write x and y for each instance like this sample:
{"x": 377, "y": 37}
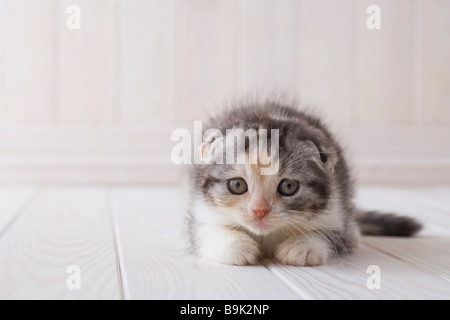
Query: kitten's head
{"x": 241, "y": 197}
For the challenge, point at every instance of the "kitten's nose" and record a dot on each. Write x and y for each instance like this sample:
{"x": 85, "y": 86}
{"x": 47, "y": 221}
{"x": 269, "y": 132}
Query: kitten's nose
{"x": 261, "y": 213}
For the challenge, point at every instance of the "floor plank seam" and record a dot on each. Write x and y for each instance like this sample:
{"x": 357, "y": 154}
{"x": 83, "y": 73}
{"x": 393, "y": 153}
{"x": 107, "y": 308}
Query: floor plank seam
{"x": 25, "y": 205}
{"x": 302, "y": 295}
{"x": 123, "y": 281}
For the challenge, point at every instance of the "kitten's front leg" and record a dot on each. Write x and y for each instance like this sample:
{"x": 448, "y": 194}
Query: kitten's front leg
{"x": 304, "y": 250}
{"x": 226, "y": 246}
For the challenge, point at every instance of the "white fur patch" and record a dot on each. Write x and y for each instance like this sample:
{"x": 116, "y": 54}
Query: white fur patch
{"x": 308, "y": 250}
{"x": 208, "y": 215}
{"x": 227, "y": 246}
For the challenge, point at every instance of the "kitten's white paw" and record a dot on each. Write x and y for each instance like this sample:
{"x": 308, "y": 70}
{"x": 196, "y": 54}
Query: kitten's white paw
{"x": 238, "y": 249}
{"x": 303, "y": 251}
{"x": 241, "y": 253}
{"x": 355, "y": 237}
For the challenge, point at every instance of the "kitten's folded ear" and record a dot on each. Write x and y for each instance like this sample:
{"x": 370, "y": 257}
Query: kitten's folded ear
{"x": 211, "y": 148}
{"x": 325, "y": 156}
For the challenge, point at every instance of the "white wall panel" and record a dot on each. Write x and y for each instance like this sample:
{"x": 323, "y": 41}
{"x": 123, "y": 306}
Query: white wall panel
{"x": 151, "y": 65}
{"x": 385, "y": 64}
{"x": 85, "y": 69}
{"x": 268, "y": 52}
{"x": 2, "y": 57}
{"x": 435, "y": 81}
{"x": 208, "y": 60}
{"x": 147, "y": 65}
{"x": 326, "y": 57}
{"x": 27, "y": 53}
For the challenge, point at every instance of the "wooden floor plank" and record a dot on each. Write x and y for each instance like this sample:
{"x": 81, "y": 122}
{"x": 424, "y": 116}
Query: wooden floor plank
{"x": 63, "y": 226}
{"x": 431, "y": 254}
{"x": 430, "y": 250}
{"x": 347, "y": 277}
{"x": 156, "y": 265}
{"x": 12, "y": 200}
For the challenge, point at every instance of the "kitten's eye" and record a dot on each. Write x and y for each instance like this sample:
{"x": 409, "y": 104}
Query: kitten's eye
{"x": 287, "y": 187}
{"x": 237, "y": 186}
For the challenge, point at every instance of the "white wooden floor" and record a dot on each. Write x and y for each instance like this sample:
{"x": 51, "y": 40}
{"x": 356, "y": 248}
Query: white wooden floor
{"x": 126, "y": 241}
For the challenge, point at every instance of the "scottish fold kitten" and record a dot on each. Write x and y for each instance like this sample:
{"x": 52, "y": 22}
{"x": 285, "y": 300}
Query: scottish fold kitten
{"x": 302, "y": 214}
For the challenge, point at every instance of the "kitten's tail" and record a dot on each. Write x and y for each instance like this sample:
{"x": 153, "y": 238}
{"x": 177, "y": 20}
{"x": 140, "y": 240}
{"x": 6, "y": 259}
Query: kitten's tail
{"x": 386, "y": 224}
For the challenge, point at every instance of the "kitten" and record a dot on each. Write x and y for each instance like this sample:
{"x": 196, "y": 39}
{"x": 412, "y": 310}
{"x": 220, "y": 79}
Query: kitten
{"x": 301, "y": 215}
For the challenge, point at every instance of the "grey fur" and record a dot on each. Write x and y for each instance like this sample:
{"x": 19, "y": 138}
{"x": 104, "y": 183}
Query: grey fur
{"x": 387, "y": 224}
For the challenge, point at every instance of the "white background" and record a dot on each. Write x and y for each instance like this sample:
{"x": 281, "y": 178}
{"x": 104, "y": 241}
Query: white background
{"x": 98, "y": 104}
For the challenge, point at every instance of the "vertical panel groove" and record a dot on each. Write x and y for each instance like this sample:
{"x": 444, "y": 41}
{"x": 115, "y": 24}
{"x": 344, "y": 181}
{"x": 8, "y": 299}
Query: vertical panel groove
{"x": 301, "y": 56}
{"x": 58, "y": 62}
{"x": 297, "y": 45}
{"x": 144, "y": 59}
{"x": 27, "y": 74}
{"x": 56, "y": 52}
{"x": 326, "y": 58}
{"x": 88, "y": 63}
{"x": 118, "y": 59}
{"x": 210, "y": 67}
{"x": 183, "y": 74}
{"x": 416, "y": 61}
{"x": 244, "y": 46}
{"x": 2, "y": 57}
{"x": 435, "y": 77}
{"x": 358, "y": 58}
{"x": 268, "y": 47}
{"x": 180, "y": 61}
{"x": 239, "y": 47}
{"x": 387, "y": 65}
